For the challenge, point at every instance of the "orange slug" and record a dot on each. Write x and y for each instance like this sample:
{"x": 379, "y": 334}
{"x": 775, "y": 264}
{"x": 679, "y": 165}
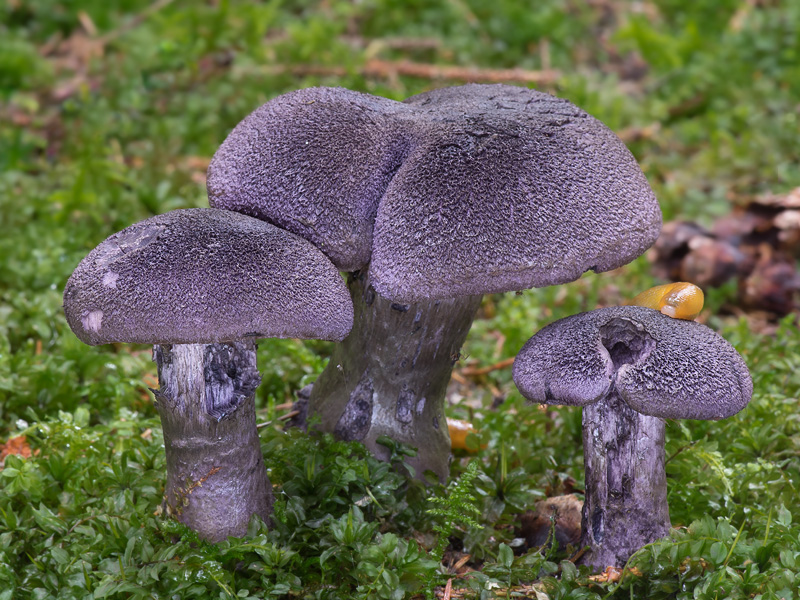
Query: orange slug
{"x": 459, "y": 430}
{"x": 678, "y": 300}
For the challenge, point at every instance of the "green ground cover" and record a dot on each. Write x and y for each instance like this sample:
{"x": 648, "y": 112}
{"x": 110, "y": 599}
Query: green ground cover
{"x": 109, "y": 112}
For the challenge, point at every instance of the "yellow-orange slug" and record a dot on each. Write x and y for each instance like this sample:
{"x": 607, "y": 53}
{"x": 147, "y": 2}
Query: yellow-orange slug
{"x": 459, "y": 430}
{"x": 678, "y": 300}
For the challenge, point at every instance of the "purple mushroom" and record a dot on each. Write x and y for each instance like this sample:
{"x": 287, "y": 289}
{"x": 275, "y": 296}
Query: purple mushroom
{"x": 429, "y": 204}
{"x": 630, "y": 368}
{"x": 202, "y": 285}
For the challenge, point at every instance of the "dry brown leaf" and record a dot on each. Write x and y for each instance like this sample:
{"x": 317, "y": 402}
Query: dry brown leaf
{"x": 559, "y": 516}
{"x": 610, "y": 575}
{"x": 614, "y": 574}
{"x": 17, "y": 446}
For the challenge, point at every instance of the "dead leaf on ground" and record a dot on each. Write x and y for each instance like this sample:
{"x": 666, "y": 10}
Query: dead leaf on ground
{"x": 615, "y": 574}
{"x": 559, "y": 516}
{"x": 757, "y": 245}
{"x": 17, "y": 446}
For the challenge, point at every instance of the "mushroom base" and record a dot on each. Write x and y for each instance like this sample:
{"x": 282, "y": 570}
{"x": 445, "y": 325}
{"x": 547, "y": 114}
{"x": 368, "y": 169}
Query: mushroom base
{"x": 390, "y": 375}
{"x": 216, "y": 478}
{"x": 626, "y": 486}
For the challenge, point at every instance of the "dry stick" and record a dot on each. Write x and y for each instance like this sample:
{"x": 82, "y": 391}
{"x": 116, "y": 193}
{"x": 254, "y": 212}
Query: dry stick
{"x": 458, "y": 378}
{"x": 461, "y": 562}
{"x": 387, "y": 68}
{"x": 285, "y": 417}
{"x": 448, "y": 589}
{"x": 476, "y": 371}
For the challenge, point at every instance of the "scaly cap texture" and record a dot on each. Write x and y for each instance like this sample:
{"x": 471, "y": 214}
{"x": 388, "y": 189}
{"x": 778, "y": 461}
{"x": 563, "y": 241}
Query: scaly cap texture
{"x": 315, "y": 162}
{"x": 200, "y": 276}
{"x": 660, "y": 366}
{"x": 459, "y": 191}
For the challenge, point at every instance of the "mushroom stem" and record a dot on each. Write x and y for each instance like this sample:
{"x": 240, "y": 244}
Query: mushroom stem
{"x": 216, "y": 478}
{"x": 390, "y": 375}
{"x": 626, "y": 486}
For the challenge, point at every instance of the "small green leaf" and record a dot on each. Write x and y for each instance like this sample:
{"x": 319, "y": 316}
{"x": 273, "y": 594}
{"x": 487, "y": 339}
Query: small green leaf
{"x": 505, "y": 556}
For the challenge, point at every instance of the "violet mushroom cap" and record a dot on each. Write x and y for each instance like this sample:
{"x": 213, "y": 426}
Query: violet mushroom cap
{"x": 202, "y": 285}
{"x": 662, "y": 367}
{"x": 202, "y": 276}
{"x": 630, "y": 367}
{"x": 472, "y": 189}
{"x": 505, "y": 189}
{"x": 315, "y": 162}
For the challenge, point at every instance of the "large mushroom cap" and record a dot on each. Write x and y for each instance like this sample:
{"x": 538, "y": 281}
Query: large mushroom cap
{"x": 314, "y": 162}
{"x": 204, "y": 276}
{"x": 507, "y": 188}
{"x": 660, "y": 366}
{"x": 471, "y": 189}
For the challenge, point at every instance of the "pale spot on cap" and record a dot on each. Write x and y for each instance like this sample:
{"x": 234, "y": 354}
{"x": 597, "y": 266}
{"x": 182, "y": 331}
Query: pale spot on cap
{"x": 110, "y": 279}
{"x": 92, "y": 321}
{"x": 201, "y": 276}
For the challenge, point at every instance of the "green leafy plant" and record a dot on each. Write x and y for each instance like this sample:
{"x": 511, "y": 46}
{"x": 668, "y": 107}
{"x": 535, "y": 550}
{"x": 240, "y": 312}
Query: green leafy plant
{"x": 456, "y": 507}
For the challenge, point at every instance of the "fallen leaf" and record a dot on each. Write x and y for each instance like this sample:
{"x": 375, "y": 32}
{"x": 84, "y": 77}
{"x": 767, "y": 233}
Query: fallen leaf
{"x": 559, "y": 516}
{"x": 15, "y": 445}
{"x": 615, "y": 574}
{"x": 610, "y": 575}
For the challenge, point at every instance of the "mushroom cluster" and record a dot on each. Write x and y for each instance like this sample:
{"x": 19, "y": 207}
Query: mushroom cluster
{"x": 428, "y": 204}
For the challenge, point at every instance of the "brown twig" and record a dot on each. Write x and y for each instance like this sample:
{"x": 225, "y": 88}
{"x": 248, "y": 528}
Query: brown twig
{"x": 285, "y": 417}
{"x": 577, "y": 555}
{"x": 478, "y": 371}
{"x": 461, "y": 562}
{"x": 182, "y": 495}
{"x": 458, "y": 378}
{"x": 637, "y": 134}
{"x": 679, "y": 450}
{"x": 389, "y": 69}
{"x": 202, "y": 480}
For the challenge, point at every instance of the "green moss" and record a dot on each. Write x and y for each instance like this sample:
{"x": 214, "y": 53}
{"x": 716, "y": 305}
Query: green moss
{"x": 707, "y": 93}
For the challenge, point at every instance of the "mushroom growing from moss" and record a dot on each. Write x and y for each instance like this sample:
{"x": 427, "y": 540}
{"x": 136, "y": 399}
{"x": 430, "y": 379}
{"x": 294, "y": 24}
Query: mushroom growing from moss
{"x": 202, "y": 285}
{"x": 429, "y": 204}
{"x": 630, "y": 368}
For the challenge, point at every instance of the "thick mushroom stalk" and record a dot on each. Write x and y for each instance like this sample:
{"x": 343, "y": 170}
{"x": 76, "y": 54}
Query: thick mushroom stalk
{"x": 447, "y": 196}
{"x": 216, "y": 479}
{"x": 201, "y": 285}
{"x": 629, "y": 368}
{"x": 389, "y": 376}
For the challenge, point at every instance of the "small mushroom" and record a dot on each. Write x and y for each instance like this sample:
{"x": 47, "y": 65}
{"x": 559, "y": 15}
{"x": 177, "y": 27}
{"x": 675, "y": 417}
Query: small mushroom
{"x": 429, "y": 204}
{"x": 201, "y": 285}
{"x": 630, "y": 368}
